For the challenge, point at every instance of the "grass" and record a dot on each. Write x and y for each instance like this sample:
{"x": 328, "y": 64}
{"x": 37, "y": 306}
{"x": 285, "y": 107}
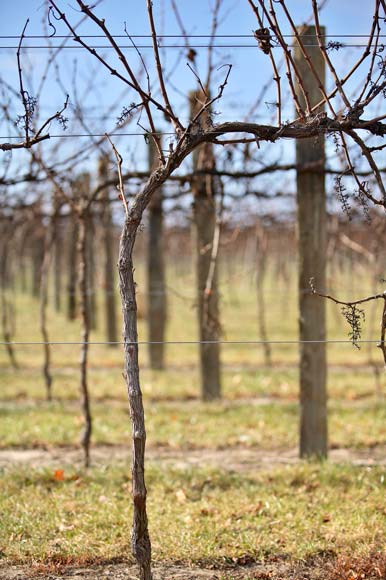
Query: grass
{"x": 195, "y": 516}
{"x": 182, "y": 382}
{"x": 188, "y": 424}
{"x": 238, "y": 319}
{"x": 204, "y": 516}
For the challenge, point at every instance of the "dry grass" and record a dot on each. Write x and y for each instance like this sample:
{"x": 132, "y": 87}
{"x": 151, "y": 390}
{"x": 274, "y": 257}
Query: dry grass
{"x": 288, "y": 522}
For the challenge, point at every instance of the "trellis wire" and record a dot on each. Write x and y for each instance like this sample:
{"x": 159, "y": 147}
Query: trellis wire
{"x": 187, "y": 342}
{"x": 150, "y": 46}
{"x": 57, "y": 36}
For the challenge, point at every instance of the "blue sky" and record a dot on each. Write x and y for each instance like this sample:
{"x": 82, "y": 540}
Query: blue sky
{"x": 98, "y": 91}
{"x": 250, "y": 67}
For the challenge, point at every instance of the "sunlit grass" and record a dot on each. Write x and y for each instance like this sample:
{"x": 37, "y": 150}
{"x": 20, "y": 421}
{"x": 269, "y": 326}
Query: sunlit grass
{"x": 196, "y": 516}
{"x": 199, "y": 516}
{"x": 238, "y": 321}
{"x": 188, "y": 424}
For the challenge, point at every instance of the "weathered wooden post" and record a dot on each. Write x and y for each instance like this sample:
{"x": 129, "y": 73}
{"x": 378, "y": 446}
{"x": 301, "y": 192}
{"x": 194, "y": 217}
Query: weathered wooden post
{"x": 92, "y": 303}
{"x": 108, "y": 259}
{"x": 311, "y": 199}
{"x": 72, "y": 266}
{"x": 261, "y": 263}
{"x": 57, "y": 256}
{"x": 204, "y": 223}
{"x": 156, "y": 287}
{"x": 44, "y": 275}
{"x": 37, "y": 256}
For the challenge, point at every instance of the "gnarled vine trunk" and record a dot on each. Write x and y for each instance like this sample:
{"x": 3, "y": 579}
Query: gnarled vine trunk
{"x": 140, "y": 539}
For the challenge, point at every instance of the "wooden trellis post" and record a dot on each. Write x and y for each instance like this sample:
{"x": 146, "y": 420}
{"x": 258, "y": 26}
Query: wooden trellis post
{"x": 156, "y": 286}
{"x": 110, "y": 305}
{"x": 311, "y": 200}
{"x": 204, "y": 223}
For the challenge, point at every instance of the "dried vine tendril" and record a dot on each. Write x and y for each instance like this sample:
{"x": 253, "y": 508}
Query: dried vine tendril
{"x": 354, "y": 316}
{"x": 342, "y": 196}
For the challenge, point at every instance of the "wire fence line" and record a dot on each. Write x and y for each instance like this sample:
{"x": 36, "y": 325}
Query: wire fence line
{"x": 189, "y": 342}
{"x": 178, "y": 294}
{"x": 168, "y": 46}
{"x": 180, "y": 36}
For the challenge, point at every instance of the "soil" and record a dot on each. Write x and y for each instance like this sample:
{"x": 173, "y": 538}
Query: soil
{"x": 254, "y": 571}
{"x": 239, "y": 459}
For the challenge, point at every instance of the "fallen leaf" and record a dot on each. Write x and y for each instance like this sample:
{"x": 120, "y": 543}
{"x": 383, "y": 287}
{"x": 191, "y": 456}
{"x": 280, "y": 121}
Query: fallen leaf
{"x": 59, "y": 475}
{"x": 207, "y": 511}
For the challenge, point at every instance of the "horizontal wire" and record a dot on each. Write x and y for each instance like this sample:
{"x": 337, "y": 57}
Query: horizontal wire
{"x": 178, "y": 295}
{"x": 69, "y": 37}
{"x": 187, "y": 342}
{"x": 150, "y": 46}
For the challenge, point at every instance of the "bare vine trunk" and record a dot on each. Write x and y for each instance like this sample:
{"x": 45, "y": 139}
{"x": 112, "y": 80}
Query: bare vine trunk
{"x": 85, "y": 333}
{"x": 140, "y": 539}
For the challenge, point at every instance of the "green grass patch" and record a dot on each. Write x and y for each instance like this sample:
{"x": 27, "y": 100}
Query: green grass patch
{"x": 189, "y": 424}
{"x": 238, "y": 320}
{"x": 201, "y": 515}
{"x": 182, "y": 383}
